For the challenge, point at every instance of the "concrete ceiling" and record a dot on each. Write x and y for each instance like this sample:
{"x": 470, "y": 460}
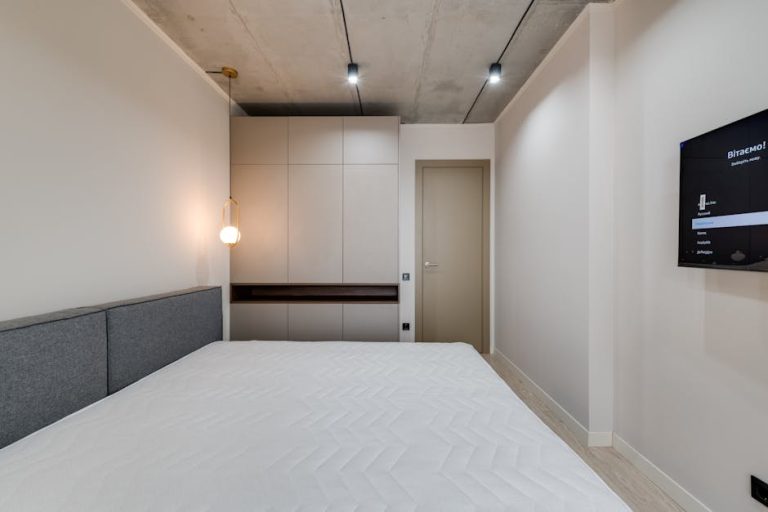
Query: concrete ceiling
{"x": 424, "y": 60}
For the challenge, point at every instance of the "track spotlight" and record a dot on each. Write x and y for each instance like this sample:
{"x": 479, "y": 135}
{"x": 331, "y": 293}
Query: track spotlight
{"x": 352, "y": 75}
{"x": 494, "y": 74}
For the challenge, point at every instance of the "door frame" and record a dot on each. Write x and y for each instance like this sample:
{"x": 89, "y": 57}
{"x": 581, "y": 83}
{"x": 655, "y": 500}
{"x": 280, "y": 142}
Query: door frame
{"x": 485, "y": 168}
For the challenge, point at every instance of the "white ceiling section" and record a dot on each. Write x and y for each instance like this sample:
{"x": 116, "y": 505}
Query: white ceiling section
{"x": 423, "y": 60}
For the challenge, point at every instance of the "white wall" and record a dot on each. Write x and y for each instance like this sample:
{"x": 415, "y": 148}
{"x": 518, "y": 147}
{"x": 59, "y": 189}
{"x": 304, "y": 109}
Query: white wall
{"x": 432, "y": 142}
{"x": 690, "y": 345}
{"x": 113, "y": 166}
{"x": 542, "y": 225}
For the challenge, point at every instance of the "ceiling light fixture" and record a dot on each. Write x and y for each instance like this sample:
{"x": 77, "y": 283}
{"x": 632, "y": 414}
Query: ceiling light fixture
{"x": 352, "y": 74}
{"x": 230, "y": 213}
{"x": 494, "y": 74}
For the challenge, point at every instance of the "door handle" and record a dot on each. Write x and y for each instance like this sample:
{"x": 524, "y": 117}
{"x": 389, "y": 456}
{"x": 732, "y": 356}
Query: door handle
{"x": 429, "y": 264}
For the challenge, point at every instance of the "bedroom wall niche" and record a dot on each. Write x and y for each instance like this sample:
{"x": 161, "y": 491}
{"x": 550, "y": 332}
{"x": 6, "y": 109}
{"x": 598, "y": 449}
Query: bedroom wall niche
{"x": 319, "y": 205}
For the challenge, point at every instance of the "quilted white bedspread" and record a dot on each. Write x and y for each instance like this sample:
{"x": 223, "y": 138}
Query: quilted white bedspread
{"x": 257, "y": 426}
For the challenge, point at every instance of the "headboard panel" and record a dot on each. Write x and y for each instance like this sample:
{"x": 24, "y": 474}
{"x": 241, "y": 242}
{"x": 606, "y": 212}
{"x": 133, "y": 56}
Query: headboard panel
{"x": 53, "y": 365}
{"x": 50, "y": 366}
{"x": 149, "y": 333}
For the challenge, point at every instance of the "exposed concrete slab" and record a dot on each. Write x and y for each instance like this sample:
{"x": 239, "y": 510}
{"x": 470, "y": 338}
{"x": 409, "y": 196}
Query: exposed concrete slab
{"x": 541, "y": 29}
{"x": 424, "y": 60}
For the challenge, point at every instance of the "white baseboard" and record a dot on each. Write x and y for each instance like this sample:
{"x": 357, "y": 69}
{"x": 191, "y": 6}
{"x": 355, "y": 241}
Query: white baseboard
{"x": 581, "y": 433}
{"x": 675, "y": 491}
{"x": 659, "y": 477}
{"x": 601, "y": 439}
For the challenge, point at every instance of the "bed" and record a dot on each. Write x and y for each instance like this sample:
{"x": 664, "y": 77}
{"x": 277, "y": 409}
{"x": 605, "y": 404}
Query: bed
{"x": 286, "y": 426}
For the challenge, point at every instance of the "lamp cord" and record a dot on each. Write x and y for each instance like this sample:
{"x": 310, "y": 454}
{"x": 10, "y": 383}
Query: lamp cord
{"x": 229, "y": 131}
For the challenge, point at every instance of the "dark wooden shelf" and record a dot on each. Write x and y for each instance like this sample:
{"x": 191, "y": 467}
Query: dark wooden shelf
{"x": 242, "y": 293}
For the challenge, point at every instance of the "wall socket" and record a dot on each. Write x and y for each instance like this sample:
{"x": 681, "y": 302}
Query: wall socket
{"x": 759, "y": 490}
{"x": 406, "y": 326}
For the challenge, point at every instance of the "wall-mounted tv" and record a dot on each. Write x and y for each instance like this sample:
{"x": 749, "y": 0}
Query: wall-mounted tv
{"x": 724, "y": 197}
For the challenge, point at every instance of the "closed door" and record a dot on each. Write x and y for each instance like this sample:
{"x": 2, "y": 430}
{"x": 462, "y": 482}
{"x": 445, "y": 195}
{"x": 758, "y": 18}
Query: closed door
{"x": 452, "y": 207}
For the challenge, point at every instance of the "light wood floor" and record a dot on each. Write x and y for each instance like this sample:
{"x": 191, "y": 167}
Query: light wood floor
{"x": 622, "y": 476}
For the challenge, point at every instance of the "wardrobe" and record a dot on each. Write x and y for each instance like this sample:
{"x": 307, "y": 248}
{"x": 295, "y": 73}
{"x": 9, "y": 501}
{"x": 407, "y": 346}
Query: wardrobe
{"x": 318, "y": 259}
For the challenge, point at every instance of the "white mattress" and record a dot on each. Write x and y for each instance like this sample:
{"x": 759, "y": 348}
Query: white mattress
{"x": 286, "y": 426}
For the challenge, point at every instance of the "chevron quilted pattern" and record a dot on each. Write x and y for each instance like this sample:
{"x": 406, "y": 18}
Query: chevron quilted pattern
{"x": 281, "y": 426}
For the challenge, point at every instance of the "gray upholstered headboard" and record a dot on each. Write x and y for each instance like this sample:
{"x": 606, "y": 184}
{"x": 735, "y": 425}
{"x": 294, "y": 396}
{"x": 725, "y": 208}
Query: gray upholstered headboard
{"x": 143, "y": 335}
{"x": 50, "y": 366}
{"x": 53, "y": 365}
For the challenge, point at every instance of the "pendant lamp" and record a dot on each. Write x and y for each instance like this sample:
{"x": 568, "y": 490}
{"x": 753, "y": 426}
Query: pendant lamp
{"x": 230, "y": 214}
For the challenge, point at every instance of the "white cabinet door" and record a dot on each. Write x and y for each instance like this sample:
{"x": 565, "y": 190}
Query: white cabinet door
{"x": 314, "y": 322}
{"x": 259, "y": 140}
{"x": 259, "y": 322}
{"x": 371, "y": 322}
{"x": 314, "y": 223}
{"x": 370, "y": 223}
{"x": 262, "y": 254}
{"x": 315, "y": 140}
{"x": 371, "y": 140}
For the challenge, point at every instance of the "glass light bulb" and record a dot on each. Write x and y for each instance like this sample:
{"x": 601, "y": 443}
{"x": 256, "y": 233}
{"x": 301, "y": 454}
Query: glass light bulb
{"x": 229, "y": 235}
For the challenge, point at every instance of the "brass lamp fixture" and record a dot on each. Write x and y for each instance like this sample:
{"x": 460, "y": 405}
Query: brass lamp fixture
{"x": 230, "y": 214}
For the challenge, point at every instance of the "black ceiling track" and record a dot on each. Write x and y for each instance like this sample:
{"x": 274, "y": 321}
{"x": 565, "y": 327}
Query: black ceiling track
{"x": 501, "y": 56}
{"x": 349, "y": 49}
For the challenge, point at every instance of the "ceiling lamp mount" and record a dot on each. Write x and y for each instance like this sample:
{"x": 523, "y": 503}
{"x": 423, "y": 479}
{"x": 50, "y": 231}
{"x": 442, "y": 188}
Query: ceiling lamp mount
{"x": 494, "y": 73}
{"x": 229, "y": 72}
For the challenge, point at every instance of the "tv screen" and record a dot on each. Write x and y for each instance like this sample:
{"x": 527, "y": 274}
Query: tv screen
{"x": 724, "y": 197}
